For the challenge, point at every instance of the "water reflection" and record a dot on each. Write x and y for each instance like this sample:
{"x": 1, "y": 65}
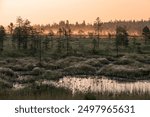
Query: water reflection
{"x": 101, "y": 85}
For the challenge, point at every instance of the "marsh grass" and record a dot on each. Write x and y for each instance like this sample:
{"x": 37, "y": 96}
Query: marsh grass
{"x": 22, "y": 66}
{"x": 5, "y": 85}
{"x": 37, "y": 92}
{"x": 47, "y": 92}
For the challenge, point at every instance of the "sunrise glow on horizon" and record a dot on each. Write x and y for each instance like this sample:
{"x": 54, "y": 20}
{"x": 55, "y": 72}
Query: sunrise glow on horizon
{"x": 50, "y": 11}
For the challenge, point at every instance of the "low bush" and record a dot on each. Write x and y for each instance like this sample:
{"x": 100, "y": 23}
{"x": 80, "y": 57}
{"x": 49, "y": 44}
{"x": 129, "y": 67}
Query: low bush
{"x": 52, "y": 75}
{"x": 124, "y": 61}
{"x": 19, "y": 68}
{"x": 124, "y": 71}
{"x": 38, "y": 71}
{"x": 80, "y": 69}
{"x": 5, "y": 85}
{"x": 97, "y": 62}
{"x": 50, "y": 66}
{"x": 66, "y": 62}
{"x": 7, "y": 71}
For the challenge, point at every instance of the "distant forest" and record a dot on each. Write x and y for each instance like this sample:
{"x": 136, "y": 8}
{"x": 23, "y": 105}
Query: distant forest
{"x": 134, "y": 28}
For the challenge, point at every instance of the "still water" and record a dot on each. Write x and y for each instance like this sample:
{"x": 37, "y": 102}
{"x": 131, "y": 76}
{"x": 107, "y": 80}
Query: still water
{"x": 101, "y": 84}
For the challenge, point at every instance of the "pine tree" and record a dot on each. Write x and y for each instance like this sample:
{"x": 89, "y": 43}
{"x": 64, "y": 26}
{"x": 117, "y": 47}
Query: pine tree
{"x": 2, "y": 35}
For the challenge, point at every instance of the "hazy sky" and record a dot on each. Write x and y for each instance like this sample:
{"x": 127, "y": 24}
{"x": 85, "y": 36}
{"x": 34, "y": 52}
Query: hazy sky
{"x": 49, "y": 11}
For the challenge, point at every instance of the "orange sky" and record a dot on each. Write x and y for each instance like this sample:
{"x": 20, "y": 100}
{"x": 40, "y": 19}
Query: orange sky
{"x": 50, "y": 11}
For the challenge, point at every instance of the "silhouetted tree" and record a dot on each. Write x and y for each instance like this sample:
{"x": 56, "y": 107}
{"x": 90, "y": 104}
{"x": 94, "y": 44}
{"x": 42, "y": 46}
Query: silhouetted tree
{"x": 59, "y": 41}
{"x": 19, "y": 21}
{"x": 94, "y": 45}
{"x": 68, "y": 33}
{"x": 51, "y": 35}
{"x": 46, "y": 42}
{"x": 59, "y": 47}
{"x": 11, "y": 28}
{"x": 60, "y": 32}
{"x": 109, "y": 36}
{"x": 146, "y": 34}
{"x": 17, "y": 34}
{"x": 98, "y": 25}
{"x": 2, "y": 35}
{"x": 26, "y": 32}
{"x": 22, "y": 32}
{"x": 67, "y": 36}
{"x": 83, "y": 23}
{"x": 40, "y": 50}
{"x": 80, "y": 33}
{"x": 121, "y": 37}
{"x": 34, "y": 41}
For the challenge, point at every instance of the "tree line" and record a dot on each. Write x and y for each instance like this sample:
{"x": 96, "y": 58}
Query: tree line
{"x": 133, "y": 27}
{"x": 27, "y": 37}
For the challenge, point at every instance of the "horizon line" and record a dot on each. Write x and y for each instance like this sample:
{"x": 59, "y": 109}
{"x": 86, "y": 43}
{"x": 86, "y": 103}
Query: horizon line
{"x": 80, "y": 22}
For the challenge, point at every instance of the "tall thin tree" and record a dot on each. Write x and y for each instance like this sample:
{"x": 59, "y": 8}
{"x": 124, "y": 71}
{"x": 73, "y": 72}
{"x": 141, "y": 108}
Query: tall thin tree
{"x": 98, "y": 25}
{"x": 2, "y": 35}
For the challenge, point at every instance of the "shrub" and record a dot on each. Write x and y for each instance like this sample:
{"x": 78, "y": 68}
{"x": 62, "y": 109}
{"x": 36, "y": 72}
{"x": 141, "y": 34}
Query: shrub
{"x": 19, "y": 68}
{"x": 3, "y": 62}
{"x": 5, "y": 85}
{"x": 124, "y": 71}
{"x": 52, "y": 75}
{"x": 7, "y": 71}
{"x": 29, "y": 66}
{"x": 97, "y": 62}
{"x": 124, "y": 61}
{"x": 11, "y": 60}
{"x": 69, "y": 61}
{"x": 50, "y": 66}
{"x": 38, "y": 71}
{"x": 143, "y": 58}
{"x": 80, "y": 69}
